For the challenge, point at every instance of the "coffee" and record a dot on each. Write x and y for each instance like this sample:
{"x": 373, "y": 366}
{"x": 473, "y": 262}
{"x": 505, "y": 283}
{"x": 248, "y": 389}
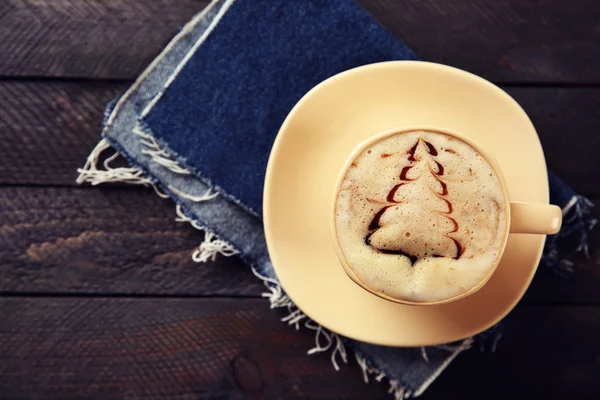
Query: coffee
{"x": 420, "y": 216}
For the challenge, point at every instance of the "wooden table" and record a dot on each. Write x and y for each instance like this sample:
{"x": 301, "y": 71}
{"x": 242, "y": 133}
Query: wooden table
{"x": 99, "y": 295}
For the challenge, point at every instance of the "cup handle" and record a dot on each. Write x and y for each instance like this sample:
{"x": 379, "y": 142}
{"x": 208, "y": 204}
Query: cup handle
{"x": 543, "y": 219}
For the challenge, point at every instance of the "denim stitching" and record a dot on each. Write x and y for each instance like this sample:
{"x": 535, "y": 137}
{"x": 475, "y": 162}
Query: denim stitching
{"x": 190, "y": 53}
{"x": 182, "y": 163}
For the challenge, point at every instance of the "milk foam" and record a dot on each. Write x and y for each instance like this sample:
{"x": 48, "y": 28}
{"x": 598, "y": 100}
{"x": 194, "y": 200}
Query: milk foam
{"x": 420, "y": 216}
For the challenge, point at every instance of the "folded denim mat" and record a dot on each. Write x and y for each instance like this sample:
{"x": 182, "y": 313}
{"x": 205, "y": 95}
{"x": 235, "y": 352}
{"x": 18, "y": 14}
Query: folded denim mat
{"x": 199, "y": 123}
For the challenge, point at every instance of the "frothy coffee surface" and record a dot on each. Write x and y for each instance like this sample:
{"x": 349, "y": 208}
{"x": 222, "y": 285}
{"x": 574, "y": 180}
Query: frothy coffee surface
{"x": 420, "y": 216}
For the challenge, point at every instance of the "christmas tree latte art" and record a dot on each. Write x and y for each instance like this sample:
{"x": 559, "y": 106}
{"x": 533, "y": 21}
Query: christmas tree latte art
{"x": 420, "y": 216}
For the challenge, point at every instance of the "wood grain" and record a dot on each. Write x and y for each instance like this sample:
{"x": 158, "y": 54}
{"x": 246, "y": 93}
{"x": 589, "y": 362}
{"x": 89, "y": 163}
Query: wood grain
{"x": 565, "y": 120}
{"x": 163, "y": 348}
{"x": 126, "y": 241}
{"x": 91, "y": 39}
{"x": 99, "y": 297}
{"x": 545, "y": 353}
{"x": 506, "y": 41}
{"x": 580, "y": 287}
{"x": 237, "y": 349}
{"x": 503, "y": 41}
{"x": 48, "y": 129}
{"x": 117, "y": 241}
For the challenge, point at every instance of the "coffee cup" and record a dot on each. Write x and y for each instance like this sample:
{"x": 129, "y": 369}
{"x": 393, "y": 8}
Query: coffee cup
{"x": 422, "y": 215}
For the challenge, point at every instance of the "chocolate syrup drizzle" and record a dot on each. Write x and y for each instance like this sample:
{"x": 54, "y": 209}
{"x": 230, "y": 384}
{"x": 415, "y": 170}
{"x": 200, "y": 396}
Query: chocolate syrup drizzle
{"x": 375, "y": 222}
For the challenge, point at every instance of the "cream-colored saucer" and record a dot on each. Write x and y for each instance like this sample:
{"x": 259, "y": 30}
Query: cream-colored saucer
{"x": 309, "y": 152}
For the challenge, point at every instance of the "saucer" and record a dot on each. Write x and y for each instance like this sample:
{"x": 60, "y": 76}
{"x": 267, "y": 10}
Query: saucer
{"x": 309, "y": 153}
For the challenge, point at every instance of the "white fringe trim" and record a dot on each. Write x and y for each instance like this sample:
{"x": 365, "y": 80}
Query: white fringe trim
{"x": 158, "y": 154}
{"x": 395, "y": 387}
{"x": 569, "y": 205}
{"x": 90, "y": 173}
{"x": 210, "y": 194}
{"x": 577, "y": 204}
{"x": 325, "y": 340}
{"x": 424, "y": 354}
{"x": 497, "y": 338}
{"x": 398, "y": 391}
{"x": 181, "y": 217}
{"x": 211, "y": 246}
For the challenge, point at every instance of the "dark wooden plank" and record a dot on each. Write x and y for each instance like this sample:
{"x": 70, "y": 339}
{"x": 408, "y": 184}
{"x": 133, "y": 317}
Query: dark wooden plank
{"x": 106, "y": 241}
{"x": 503, "y": 41}
{"x": 126, "y": 241}
{"x": 582, "y": 286}
{"x": 48, "y": 129}
{"x": 567, "y": 121}
{"x": 545, "y": 353}
{"x": 237, "y": 349}
{"x": 163, "y": 348}
{"x": 92, "y": 38}
{"x": 509, "y": 40}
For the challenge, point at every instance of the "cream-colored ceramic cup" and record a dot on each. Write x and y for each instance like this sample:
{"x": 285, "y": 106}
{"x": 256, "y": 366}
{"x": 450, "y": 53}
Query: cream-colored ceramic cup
{"x": 530, "y": 218}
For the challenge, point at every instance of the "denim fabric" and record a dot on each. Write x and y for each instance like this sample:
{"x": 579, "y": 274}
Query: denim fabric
{"x": 214, "y": 100}
{"x": 260, "y": 59}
